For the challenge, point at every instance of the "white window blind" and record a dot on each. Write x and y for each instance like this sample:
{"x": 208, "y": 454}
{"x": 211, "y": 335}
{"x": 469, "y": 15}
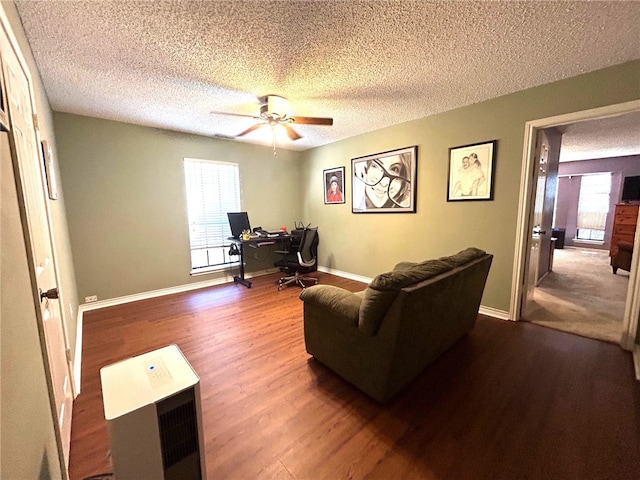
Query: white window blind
{"x": 213, "y": 189}
{"x": 593, "y": 205}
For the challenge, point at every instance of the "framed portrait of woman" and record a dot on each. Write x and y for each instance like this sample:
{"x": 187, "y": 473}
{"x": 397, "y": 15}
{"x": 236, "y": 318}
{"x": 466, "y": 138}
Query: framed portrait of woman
{"x": 385, "y": 182}
{"x": 333, "y": 185}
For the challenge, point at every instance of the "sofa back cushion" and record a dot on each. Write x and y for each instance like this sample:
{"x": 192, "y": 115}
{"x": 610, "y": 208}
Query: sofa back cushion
{"x": 384, "y": 288}
{"x": 464, "y": 256}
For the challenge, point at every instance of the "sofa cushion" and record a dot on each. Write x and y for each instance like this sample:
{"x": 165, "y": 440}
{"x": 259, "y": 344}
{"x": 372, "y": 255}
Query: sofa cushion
{"x": 464, "y": 256}
{"x": 397, "y": 279}
{"x": 384, "y": 288}
{"x": 403, "y": 265}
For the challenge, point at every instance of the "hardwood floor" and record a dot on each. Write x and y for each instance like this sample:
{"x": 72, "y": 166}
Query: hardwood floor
{"x": 509, "y": 401}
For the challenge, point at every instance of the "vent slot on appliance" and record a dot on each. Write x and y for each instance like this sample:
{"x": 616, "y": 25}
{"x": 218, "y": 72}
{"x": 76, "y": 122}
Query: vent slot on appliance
{"x": 178, "y": 424}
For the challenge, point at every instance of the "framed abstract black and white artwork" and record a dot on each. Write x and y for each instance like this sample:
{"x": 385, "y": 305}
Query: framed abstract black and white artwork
{"x": 385, "y": 182}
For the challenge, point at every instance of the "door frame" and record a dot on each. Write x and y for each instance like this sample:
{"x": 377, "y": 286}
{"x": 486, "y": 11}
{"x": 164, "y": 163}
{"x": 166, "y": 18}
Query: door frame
{"x": 525, "y": 212}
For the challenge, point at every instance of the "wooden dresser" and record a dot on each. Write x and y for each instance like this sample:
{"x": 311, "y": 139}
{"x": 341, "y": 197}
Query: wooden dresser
{"x": 624, "y": 225}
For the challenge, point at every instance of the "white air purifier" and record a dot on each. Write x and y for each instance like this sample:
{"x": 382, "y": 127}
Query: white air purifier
{"x": 154, "y": 417}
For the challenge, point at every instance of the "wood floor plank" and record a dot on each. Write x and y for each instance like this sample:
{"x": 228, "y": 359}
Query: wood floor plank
{"x": 510, "y": 400}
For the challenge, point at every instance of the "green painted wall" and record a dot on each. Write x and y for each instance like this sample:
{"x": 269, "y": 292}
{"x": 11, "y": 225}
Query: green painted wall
{"x": 125, "y": 190}
{"x": 126, "y": 203}
{"x": 367, "y": 244}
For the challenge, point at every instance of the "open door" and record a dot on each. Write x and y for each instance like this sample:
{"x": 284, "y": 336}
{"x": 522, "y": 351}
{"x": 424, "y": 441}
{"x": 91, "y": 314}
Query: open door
{"x": 35, "y": 219}
{"x": 540, "y": 232}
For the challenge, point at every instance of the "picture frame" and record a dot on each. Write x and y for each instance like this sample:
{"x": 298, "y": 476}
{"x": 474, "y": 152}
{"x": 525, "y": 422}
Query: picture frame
{"x": 471, "y": 172}
{"x": 333, "y": 185}
{"x": 385, "y": 182}
{"x": 49, "y": 170}
{"x": 4, "y": 113}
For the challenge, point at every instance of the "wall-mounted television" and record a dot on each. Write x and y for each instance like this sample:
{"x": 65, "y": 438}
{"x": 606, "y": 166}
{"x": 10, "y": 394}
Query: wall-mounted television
{"x": 631, "y": 189}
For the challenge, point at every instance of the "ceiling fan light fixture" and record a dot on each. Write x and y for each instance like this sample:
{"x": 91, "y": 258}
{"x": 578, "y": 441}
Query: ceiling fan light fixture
{"x": 275, "y": 106}
{"x": 274, "y": 113}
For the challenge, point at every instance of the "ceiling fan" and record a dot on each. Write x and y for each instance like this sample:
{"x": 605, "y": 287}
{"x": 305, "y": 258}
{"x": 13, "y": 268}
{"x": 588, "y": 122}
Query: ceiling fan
{"x": 273, "y": 112}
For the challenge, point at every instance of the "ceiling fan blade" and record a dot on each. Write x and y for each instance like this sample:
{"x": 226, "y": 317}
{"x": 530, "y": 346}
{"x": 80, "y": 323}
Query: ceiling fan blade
{"x": 251, "y": 129}
{"x": 213, "y": 112}
{"x": 312, "y": 120}
{"x": 293, "y": 135}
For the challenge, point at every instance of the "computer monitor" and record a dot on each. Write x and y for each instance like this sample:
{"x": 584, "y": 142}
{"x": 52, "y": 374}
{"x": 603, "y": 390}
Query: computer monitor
{"x": 238, "y": 221}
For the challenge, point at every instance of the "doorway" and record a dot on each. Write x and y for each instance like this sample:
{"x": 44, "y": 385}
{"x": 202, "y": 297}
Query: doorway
{"x": 522, "y": 289}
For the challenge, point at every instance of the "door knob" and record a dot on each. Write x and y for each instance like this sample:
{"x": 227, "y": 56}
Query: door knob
{"x": 51, "y": 293}
{"x": 537, "y": 231}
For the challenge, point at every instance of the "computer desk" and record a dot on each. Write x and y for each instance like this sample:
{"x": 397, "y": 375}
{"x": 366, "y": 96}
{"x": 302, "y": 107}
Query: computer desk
{"x": 255, "y": 242}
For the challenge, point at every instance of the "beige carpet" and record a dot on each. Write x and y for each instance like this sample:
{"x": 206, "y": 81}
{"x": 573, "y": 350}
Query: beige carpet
{"x": 582, "y": 295}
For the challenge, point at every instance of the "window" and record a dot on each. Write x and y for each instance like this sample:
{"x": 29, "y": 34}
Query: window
{"x": 593, "y": 206}
{"x": 213, "y": 189}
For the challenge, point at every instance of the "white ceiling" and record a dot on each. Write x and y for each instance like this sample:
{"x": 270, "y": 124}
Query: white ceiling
{"x": 367, "y": 64}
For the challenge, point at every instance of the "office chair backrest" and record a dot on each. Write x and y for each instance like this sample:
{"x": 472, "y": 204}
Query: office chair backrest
{"x": 309, "y": 245}
{"x": 296, "y": 238}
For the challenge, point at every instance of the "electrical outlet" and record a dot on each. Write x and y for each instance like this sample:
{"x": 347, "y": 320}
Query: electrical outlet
{"x": 91, "y": 298}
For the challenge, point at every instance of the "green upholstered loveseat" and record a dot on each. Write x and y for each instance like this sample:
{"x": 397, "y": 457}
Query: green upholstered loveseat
{"x": 382, "y": 338}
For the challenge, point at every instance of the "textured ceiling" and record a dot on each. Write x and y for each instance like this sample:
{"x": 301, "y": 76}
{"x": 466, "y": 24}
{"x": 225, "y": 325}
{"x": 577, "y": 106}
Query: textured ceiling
{"x": 367, "y": 64}
{"x": 607, "y": 137}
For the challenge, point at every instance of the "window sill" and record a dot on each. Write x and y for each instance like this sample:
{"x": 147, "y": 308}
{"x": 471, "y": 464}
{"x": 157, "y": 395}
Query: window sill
{"x": 588, "y": 242}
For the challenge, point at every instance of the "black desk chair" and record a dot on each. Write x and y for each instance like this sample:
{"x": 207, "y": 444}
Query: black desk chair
{"x": 304, "y": 261}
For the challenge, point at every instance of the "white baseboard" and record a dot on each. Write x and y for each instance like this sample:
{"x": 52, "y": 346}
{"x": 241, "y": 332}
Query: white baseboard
{"x": 169, "y": 291}
{"x": 350, "y": 276}
{"x": 636, "y": 360}
{"x": 494, "y": 312}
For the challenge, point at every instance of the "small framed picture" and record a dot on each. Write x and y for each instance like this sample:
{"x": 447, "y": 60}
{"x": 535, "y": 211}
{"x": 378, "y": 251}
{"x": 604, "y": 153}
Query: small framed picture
{"x": 4, "y": 116}
{"x": 49, "y": 170}
{"x": 385, "y": 182}
{"x": 471, "y": 172}
{"x": 333, "y": 185}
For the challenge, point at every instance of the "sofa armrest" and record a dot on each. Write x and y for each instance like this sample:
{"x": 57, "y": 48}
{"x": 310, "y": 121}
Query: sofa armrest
{"x": 336, "y": 300}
